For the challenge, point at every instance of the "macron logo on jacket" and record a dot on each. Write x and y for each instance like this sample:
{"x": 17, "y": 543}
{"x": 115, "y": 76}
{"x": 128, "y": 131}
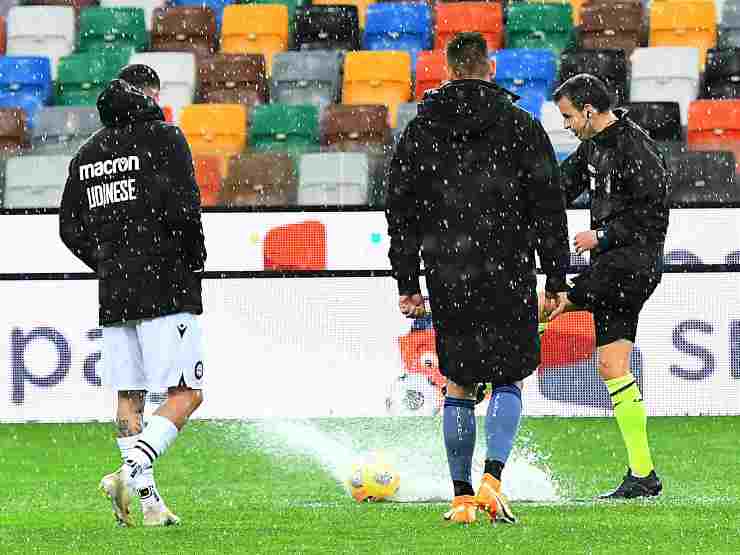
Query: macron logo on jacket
{"x": 112, "y": 191}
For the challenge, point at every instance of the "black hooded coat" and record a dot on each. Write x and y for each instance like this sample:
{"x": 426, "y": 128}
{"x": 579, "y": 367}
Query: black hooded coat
{"x": 131, "y": 211}
{"x": 474, "y": 185}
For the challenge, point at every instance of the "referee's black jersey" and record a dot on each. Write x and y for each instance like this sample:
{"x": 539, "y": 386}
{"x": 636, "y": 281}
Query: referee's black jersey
{"x": 131, "y": 211}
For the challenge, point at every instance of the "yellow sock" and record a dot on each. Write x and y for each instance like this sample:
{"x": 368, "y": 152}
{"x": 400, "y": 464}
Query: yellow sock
{"x": 629, "y": 410}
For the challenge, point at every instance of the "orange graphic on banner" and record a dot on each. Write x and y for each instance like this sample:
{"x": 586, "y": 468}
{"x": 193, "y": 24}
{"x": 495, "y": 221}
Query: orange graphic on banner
{"x": 300, "y": 246}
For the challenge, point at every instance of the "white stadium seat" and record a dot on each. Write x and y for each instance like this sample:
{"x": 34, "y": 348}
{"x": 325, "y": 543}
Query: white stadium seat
{"x": 176, "y": 72}
{"x": 563, "y": 140}
{"x": 35, "y": 181}
{"x": 339, "y": 178}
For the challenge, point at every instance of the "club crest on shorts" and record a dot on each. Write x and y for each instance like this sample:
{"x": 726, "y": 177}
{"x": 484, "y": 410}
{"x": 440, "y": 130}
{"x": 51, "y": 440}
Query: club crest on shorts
{"x": 199, "y": 370}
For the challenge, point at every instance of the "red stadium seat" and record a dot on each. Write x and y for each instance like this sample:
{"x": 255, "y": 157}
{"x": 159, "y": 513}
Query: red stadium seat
{"x": 485, "y": 17}
{"x": 715, "y": 125}
{"x": 431, "y": 70}
{"x": 208, "y": 176}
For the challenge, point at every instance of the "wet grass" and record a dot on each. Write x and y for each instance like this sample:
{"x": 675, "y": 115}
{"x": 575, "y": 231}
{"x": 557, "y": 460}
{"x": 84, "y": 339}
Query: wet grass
{"x": 234, "y": 497}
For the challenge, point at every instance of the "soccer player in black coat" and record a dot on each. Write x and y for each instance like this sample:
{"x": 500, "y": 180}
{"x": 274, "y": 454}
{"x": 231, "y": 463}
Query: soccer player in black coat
{"x": 473, "y": 185}
{"x": 131, "y": 212}
{"x": 627, "y": 177}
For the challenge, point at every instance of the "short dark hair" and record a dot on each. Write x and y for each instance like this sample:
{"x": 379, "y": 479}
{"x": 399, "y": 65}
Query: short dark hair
{"x": 583, "y": 89}
{"x": 467, "y": 53}
{"x": 140, "y": 76}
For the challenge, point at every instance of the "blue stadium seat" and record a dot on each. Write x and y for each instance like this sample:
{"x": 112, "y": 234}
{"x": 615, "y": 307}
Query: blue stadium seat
{"x": 26, "y": 75}
{"x": 530, "y": 73}
{"x": 216, "y": 5}
{"x": 403, "y": 26}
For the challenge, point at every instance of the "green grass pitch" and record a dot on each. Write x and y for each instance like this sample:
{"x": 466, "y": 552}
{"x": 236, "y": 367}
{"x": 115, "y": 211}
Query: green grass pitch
{"x": 234, "y": 497}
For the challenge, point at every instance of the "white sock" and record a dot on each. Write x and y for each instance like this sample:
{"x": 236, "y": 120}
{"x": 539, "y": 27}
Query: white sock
{"x": 144, "y": 482}
{"x": 152, "y": 443}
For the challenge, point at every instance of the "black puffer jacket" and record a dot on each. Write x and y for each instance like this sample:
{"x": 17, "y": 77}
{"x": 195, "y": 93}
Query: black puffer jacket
{"x": 131, "y": 211}
{"x": 628, "y": 179}
{"x": 474, "y": 185}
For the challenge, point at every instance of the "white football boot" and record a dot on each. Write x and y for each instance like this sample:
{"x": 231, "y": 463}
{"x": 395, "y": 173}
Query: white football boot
{"x": 114, "y": 487}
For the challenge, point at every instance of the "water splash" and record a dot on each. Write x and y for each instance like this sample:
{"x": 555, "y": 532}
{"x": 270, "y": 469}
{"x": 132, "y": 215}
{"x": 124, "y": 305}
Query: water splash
{"x": 412, "y": 445}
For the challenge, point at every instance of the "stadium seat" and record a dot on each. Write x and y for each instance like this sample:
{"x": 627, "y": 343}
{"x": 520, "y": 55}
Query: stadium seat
{"x": 377, "y": 78}
{"x": 215, "y": 130}
{"x": 360, "y": 129}
{"x": 729, "y": 28}
{"x": 292, "y": 6}
{"x": 209, "y": 178}
{"x": 485, "y": 17}
{"x": 309, "y": 77}
{"x": 610, "y": 65}
{"x": 722, "y": 74}
{"x": 29, "y": 104}
{"x": 261, "y": 179}
{"x": 116, "y": 28}
{"x": 3, "y": 37}
{"x": 665, "y": 74}
{"x": 715, "y": 125}
{"x": 233, "y": 79}
{"x": 35, "y": 181}
{"x": 403, "y": 26}
{"x": 280, "y": 128}
{"x": 702, "y": 179}
{"x": 63, "y": 129}
{"x": 13, "y": 131}
{"x": 548, "y": 26}
{"x": 217, "y": 6}
{"x": 611, "y": 24}
{"x": 406, "y": 112}
{"x": 662, "y": 120}
{"x": 76, "y": 4}
{"x": 41, "y": 31}
{"x": 333, "y": 179}
{"x": 361, "y": 6}
{"x": 26, "y": 76}
{"x": 528, "y": 73}
{"x": 255, "y": 29}
{"x": 563, "y": 141}
{"x": 147, "y": 5}
{"x": 82, "y": 77}
{"x": 185, "y": 29}
{"x": 431, "y": 71}
{"x": 684, "y": 23}
{"x": 327, "y": 28}
{"x": 176, "y": 72}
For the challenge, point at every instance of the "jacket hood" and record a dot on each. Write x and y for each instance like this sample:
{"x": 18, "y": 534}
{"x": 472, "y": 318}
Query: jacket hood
{"x": 121, "y": 104}
{"x": 466, "y": 106}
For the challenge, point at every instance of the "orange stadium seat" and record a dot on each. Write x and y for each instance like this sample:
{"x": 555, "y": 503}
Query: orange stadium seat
{"x": 715, "y": 125}
{"x": 184, "y": 29}
{"x": 215, "y": 130}
{"x": 360, "y": 4}
{"x": 233, "y": 79}
{"x": 684, "y": 23}
{"x": 484, "y": 17}
{"x": 377, "y": 78}
{"x": 208, "y": 176}
{"x": 431, "y": 71}
{"x": 255, "y": 29}
{"x": 261, "y": 179}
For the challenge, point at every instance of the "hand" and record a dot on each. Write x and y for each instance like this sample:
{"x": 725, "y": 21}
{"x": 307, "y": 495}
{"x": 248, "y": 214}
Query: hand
{"x": 585, "y": 241}
{"x": 559, "y": 303}
{"x": 412, "y": 306}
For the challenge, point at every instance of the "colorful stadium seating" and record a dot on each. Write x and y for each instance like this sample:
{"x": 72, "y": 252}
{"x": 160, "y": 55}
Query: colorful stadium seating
{"x": 484, "y": 17}
{"x": 548, "y": 26}
{"x": 116, "y": 28}
{"x": 612, "y": 24}
{"x": 35, "y": 181}
{"x": 691, "y": 23}
{"x": 327, "y": 28}
{"x": 333, "y": 179}
{"x": 309, "y": 77}
{"x": 63, "y": 129}
{"x": 176, "y": 72}
{"x": 233, "y": 79}
{"x": 82, "y": 77}
{"x": 715, "y": 125}
{"x": 431, "y": 71}
{"x": 361, "y": 6}
{"x": 406, "y": 26}
{"x": 662, "y": 120}
{"x": 610, "y": 65}
{"x": 377, "y": 78}
{"x": 26, "y": 76}
{"x": 665, "y": 74}
{"x": 184, "y": 29}
{"x": 41, "y": 31}
{"x": 215, "y": 130}
{"x": 255, "y": 29}
{"x": 209, "y": 178}
{"x": 722, "y": 74}
{"x": 261, "y": 179}
{"x": 282, "y": 128}
{"x": 527, "y": 72}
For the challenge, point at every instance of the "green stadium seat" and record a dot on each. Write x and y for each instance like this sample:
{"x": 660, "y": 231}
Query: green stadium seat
{"x": 548, "y": 26}
{"x": 283, "y": 128}
{"x": 112, "y": 28}
{"x": 82, "y": 77}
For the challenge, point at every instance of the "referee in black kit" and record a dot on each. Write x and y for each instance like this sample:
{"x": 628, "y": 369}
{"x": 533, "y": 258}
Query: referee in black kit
{"x": 627, "y": 177}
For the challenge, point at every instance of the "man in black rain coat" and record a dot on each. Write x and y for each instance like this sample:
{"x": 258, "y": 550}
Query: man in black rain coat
{"x": 473, "y": 185}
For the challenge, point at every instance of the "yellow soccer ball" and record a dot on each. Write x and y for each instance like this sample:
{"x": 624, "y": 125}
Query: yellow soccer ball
{"x": 373, "y": 480}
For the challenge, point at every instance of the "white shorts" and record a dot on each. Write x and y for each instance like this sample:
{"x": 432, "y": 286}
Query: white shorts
{"x": 154, "y": 354}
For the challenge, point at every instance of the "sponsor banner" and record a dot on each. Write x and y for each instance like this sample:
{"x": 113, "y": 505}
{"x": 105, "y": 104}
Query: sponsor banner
{"x": 338, "y": 347}
{"x": 336, "y": 240}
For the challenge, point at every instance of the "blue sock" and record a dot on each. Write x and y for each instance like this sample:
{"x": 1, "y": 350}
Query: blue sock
{"x": 502, "y": 424}
{"x": 459, "y": 433}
